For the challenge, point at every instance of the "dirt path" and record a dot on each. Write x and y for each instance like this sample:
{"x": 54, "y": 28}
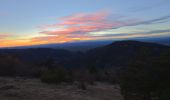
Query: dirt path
{"x": 33, "y": 89}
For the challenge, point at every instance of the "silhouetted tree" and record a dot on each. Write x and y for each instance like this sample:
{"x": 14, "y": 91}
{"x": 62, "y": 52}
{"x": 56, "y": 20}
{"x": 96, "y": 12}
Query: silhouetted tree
{"x": 9, "y": 65}
{"x": 56, "y": 76}
{"x": 147, "y": 80}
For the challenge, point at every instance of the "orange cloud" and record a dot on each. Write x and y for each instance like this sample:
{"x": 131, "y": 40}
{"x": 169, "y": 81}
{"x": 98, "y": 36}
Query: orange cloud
{"x": 4, "y": 35}
{"x": 78, "y": 27}
{"x": 58, "y": 39}
{"x": 11, "y": 43}
{"x": 83, "y": 24}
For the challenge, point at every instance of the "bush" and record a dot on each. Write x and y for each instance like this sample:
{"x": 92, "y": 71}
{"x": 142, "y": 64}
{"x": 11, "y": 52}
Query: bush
{"x": 56, "y": 76}
{"x": 9, "y": 65}
{"x": 147, "y": 80}
{"x": 82, "y": 86}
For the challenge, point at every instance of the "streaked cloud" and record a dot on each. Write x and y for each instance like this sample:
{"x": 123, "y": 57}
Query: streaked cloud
{"x": 165, "y": 32}
{"x": 78, "y": 26}
{"x": 99, "y": 21}
{"x": 163, "y": 19}
{"x": 151, "y": 6}
{"x": 84, "y": 23}
{"x": 4, "y": 36}
{"x": 87, "y": 26}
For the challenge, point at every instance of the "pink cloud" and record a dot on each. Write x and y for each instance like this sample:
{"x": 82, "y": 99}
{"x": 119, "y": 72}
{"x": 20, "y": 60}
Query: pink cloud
{"x": 4, "y": 35}
{"x": 78, "y": 26}
{"x": 98, "y": 16}
{"x": 83, "y": 24}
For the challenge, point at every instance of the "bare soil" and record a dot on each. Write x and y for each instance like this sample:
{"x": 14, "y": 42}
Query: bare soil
{"x": 34, "y": 89}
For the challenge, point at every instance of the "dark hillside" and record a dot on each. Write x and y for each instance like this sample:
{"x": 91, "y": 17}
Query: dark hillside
{"x": 122, "y": 52}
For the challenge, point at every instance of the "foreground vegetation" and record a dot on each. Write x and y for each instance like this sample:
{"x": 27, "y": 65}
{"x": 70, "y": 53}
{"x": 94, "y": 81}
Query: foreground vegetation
{"x": 145, "y": 76}
{"x": 34, "y": 89}
{"x": 147, "y": 79}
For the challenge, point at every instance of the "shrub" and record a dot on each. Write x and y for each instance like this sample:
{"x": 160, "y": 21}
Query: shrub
{"x": 56, "y": 76}
{"x": 147, "y": 80}
{"x": 82, "y": 86}
{"x": 9, "y": 65}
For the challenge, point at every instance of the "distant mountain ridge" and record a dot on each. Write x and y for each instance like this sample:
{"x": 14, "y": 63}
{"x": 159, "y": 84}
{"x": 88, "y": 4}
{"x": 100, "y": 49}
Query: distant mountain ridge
{"x": 120, "y": 53}
{"x": 114, "y": 56}
{"x": 105, "y": 56}
{"x": 72, "y": 46}
{"x": 87, "y": 45}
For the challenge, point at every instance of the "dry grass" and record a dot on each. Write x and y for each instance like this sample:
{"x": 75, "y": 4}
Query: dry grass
{"x": 33, "y": 89}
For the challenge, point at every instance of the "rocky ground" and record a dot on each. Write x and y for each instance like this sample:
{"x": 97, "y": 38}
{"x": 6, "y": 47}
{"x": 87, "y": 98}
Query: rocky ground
{"x": 34, "y": 89}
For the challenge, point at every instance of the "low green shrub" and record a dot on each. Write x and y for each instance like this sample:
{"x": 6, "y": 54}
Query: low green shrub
{"x": 56, "y": 76}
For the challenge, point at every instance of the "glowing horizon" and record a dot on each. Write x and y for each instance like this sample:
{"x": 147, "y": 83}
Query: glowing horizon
{"x": 24, "y": 23}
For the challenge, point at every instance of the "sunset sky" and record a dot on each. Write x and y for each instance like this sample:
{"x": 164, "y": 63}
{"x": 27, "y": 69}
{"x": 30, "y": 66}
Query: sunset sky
{"x": 32, "y": 22}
